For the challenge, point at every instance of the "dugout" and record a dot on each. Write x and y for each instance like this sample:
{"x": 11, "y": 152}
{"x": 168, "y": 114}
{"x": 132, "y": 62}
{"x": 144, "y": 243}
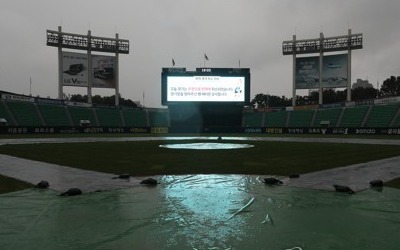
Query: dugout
{"x": 3, "y": 122}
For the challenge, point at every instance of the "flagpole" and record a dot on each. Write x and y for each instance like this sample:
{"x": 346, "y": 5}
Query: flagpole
{"x": 204, "y": 60}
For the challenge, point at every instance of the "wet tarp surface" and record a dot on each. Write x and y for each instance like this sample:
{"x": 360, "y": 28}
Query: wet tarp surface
{"x": 201, "y": 212}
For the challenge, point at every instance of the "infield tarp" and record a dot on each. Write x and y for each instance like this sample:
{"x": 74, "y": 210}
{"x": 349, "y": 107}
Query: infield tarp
{"x": 201, "y": 212}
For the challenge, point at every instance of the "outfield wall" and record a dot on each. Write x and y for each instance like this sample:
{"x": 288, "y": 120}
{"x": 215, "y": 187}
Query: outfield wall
{"x": 211, "y": 130}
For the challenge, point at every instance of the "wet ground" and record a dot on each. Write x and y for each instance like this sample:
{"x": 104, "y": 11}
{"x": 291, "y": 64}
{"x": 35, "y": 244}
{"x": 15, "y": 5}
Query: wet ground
{"x": 199, "y": 211}
{"x": 357, "y": 176}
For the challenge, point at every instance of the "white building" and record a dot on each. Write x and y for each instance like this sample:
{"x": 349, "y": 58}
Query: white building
{"x": 362, "y": 84}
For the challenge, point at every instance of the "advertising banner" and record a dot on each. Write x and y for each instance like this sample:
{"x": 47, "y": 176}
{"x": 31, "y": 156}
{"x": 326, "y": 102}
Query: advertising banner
{"x": 334, "y": 72}
{"x": 307, "y": 72}
{"x": 104, "y": 71}
{"x": 75, "y": 69}
{"x": 12, "y": 97}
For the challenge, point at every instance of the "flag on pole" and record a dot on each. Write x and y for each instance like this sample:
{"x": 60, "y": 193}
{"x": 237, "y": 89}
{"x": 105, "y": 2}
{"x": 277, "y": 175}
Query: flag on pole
{"x": 205, "y": 56}
{"x": 173, "y": 62}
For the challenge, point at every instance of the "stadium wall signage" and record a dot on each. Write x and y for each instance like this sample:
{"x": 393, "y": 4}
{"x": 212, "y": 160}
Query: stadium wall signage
{"x": 216, "y": 130}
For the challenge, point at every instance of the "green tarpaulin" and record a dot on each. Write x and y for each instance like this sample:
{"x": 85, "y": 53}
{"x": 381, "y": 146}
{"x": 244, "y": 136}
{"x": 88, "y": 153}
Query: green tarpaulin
{"x": 201, "y": 212}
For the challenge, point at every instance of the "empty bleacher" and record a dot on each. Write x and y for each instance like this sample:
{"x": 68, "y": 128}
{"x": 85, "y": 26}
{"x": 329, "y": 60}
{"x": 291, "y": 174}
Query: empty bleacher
{"x": 276, "y": 119}
{"x": 253, "y": 119}
{"x": 109, "y": 117}
{"x": 301, "y": 118}
{"x": 158, "y": 118}
{"x": 82, "y": 113}
{"x": 38, "y": 113}
{"x": 134, "y": 117}
{"x": 353, "y": 117}
{"x": 331, "y": 115}
{"x": 25, "y": 113}
{"x": 54, "y": 115}
{"x": 5, "y": 114}
{"x": 381, "y": 115}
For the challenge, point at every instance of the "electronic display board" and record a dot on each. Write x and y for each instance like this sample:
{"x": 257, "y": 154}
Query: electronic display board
{"x": 208, "y": 85}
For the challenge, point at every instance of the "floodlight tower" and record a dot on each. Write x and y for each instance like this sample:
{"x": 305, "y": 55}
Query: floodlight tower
{"x": 321, "y": 45}
{"x": 88, "y": 43}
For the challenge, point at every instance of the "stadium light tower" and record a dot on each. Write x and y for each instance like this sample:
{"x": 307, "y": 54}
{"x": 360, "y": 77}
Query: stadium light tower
{"x": 89, "y": 43}
{"x": 322, "y": 45}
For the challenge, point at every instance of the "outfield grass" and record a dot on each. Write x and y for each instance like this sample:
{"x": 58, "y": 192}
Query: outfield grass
{"x": 147, "y": 158}
{"x": 9, "y": 184}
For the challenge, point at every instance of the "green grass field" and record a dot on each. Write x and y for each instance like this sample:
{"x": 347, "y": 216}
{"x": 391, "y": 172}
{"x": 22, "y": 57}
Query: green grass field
{"x": 147, "y": 158}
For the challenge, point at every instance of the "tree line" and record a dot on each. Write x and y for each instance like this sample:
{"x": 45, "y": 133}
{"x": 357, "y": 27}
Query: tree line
{"x": 389, "y": 88}
{"x": 102, "y": 100}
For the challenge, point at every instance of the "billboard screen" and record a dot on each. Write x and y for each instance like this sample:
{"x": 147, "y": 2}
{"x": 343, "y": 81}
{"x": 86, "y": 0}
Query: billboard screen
{"x": 75, "y": 69}
{"x": 334, "y": 72}
{"x": 206, "y": 85}
{"x": 307, "y": 72}
{"x": 104, "y": 71}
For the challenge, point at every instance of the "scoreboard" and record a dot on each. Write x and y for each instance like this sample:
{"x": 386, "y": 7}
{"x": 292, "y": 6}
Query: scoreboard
{"x": 208, "y": 85}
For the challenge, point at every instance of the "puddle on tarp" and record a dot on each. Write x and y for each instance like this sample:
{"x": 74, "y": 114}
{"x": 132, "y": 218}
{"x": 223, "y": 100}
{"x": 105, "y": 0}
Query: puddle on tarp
{"x": 206, "y": 146}
{"x": 201, "y": 212}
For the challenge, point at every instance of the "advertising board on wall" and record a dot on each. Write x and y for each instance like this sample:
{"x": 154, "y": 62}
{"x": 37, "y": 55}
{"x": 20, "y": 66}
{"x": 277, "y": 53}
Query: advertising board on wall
{"x": 75, "y": 70}
{"x": 334, "y": 72}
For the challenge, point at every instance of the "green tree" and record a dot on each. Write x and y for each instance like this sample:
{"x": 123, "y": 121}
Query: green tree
{"x": 103, "y": 100}
{"x": 361, "y": 94}
{"x": 390, "y": 87}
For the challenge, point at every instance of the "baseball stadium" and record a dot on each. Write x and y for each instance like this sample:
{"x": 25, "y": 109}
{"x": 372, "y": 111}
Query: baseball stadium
{"x": 206, "y": 172}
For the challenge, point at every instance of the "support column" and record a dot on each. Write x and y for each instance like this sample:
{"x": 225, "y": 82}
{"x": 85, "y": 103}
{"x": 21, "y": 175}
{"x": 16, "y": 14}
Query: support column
{"x": 321, "y": 58}
{"x": 90, "y": 68}
{"x": 116, "y": 72}
{"x": 60, "y": 65}
{"x": 294, "y": 72}
{"x": 349, "y": 68}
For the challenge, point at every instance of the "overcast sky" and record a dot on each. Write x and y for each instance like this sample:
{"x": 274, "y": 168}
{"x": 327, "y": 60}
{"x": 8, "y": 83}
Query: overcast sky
{"x": 226, "y": 30}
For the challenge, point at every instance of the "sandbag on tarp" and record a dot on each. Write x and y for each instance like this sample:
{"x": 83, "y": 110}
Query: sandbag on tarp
{"x": 201, "y": 212}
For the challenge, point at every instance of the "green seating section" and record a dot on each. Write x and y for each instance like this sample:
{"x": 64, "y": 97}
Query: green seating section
{"x": 4, "y": 114}
{"x": 275, "y": 119}
{"x": 135, "y": 118}
{"x": 54, "y": 115}
{"x": 253, "y": 119}
{"x": 381, "y": 115}
{"x": 331, "y": 115}
{"x": 109, "y": 117}
{"x": 301, "y": 118}
{"x": 25, "y": 113}
{"x": 82, "y": 113}
{"x": 158, "y": 118}
{"x": 396, "y": 122}
{"x": 31, "y": 114}
{"x": 353, "y": 117}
